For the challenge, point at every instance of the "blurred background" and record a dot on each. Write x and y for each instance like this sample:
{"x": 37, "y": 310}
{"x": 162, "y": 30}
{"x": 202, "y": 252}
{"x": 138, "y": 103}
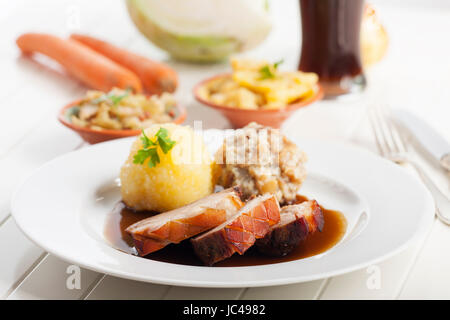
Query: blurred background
{"x": 413, "y": 73}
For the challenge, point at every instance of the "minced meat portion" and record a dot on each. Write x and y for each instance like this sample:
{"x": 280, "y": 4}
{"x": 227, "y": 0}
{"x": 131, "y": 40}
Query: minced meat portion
{"x": 261, "y": 160}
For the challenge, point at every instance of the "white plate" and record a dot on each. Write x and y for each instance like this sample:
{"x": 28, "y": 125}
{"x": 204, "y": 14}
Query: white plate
{"x": 62, "y": 207}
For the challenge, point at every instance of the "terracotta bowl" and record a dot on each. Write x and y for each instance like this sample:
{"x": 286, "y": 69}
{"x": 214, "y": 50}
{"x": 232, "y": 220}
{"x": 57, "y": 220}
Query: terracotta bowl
{"x": 95, "y": 136}
{"x": 241, "y": 117}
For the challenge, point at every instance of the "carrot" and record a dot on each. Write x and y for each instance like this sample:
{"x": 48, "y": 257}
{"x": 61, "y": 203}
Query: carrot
{"x": 156, "y": 77}
{"x": 90, "y": 67}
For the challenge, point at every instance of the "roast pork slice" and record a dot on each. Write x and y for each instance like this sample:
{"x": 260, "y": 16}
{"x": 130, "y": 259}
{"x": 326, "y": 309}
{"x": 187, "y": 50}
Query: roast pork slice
{"x": 174, "y": 226}
{"x": 296, "y": 223}
{"x": 240, "y": 232}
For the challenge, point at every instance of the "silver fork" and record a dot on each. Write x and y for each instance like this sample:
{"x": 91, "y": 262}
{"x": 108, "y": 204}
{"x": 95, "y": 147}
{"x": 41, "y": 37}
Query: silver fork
{"x": 392, "y": 146}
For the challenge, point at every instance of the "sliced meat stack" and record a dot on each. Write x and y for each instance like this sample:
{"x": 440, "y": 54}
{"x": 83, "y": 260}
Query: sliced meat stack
{"x": 296, "y": 222}
{"x": 238, "y": 233}
{"x": 174, "y": 226}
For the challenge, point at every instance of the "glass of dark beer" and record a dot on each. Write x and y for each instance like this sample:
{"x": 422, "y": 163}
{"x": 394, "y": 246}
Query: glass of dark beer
{"x": 330, "y": 44}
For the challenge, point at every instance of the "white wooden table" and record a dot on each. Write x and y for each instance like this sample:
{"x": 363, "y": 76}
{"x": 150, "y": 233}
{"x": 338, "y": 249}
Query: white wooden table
{"x": 414, "y": 75}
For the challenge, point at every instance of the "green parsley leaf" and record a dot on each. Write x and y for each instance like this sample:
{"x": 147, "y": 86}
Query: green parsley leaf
{"x": 276, "y": 64}
{"x": 164, "y": 141}
{"x": 150, "y": 149}
{"x": 154, "y": 158}
{"x": 141, "y": 156}
{"x": 115, "y": 99}
{"x": 267, "y": 72}
{"x": 146, "y": 142}
{"x": 162, "y": 132}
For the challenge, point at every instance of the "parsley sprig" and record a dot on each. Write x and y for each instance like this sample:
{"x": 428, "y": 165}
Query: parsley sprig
{"x": 115, "y": 99}
{"x": 268, "y": 71}
{"x": 150, "y": 148}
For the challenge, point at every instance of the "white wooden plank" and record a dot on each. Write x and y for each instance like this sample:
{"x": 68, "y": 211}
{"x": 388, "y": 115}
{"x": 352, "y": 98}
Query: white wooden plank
{"x": 49, "y": 140}
{"x": 381, "y": 281}
{"x": 180, "y": 293}
{"x": 430, "y": 276}
{"x": 122, "y": 289}
{"x": 58, "y": 275}
{"x": 18, "y": 256}
{"x": 300, "y": 291}
{"x": 10, "y": 8}
{"x": 17, "y": 123}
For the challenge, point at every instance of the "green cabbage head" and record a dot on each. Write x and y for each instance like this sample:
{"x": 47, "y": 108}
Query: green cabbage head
{"x": 202, "y": 30}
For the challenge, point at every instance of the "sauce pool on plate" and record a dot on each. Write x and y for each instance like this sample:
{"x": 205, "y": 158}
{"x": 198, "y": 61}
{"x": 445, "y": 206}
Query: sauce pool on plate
{"x": 121, "y": 217}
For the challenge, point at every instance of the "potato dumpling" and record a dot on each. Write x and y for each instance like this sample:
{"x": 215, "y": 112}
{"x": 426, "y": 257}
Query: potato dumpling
{"x": 183, "y": 175}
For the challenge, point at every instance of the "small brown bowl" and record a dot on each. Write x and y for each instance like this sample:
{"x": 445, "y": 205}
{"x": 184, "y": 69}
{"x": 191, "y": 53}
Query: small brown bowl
{"x": 241, "y": 117}
{"x": 95, "y": 136}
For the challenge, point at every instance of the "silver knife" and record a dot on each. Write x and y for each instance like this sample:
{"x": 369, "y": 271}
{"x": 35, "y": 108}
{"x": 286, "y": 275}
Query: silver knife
{"x": 436, "y": 145}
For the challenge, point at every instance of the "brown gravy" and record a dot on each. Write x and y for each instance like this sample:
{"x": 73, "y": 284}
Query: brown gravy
{"x": 121, "y": 217}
